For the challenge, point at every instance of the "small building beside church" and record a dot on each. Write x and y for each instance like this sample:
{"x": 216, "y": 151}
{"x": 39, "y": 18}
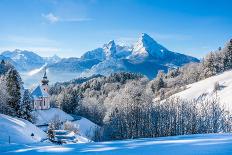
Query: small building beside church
{"x": 40, "y": 95}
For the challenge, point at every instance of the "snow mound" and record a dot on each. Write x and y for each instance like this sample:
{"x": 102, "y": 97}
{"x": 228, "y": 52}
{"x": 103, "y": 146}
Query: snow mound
{"x": 206, "y": 88}
{"x": 86, "y": 127}
{"x": 19, "y": 131}
{"x": 43, "y": 117}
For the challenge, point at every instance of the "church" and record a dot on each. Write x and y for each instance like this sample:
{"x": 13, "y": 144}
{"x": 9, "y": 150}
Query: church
{"x": 40, "y": 95}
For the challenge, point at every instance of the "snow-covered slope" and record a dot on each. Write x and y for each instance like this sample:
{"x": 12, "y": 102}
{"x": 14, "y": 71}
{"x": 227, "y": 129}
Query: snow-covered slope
{"x": 86, "y": 127}
{"x": 206, "y": 88}
{"x": 146, "y": 46}
{"x": 106, "y": 67}
{"x": 208, "y": 144}
{"x": 19, "y": 131}
{"x": 44, "y": 117}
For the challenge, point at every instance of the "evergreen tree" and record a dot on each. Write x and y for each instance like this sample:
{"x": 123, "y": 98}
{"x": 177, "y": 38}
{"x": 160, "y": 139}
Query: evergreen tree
{"x": 50, "y": 132}
{"x": 4, "y": 97}
{"x": 227, "y": 59}
{"x": 209, "y": 65}
{"x": 158, "y": 83}
{"x": 26, "y": 106}
{"x": 14, "y": 84}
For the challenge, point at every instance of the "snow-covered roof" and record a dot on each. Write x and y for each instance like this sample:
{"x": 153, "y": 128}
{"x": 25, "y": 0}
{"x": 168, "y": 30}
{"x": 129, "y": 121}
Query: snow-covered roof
{"x": 38, "y": 92}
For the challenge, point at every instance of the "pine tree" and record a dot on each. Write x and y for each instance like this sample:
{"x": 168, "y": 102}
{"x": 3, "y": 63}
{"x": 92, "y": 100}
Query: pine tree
{"x": 4, "y": 97}
{"x": 3, "y": 62}
{"x": 158, "y": 82}
{"x": 227, "y": 59}
{"x": 50, "y": 132}
{"x": 25, "y": 107}
{"x": 209, "y": 65}
{"x": 14, "y": 84}
{"x": 2, "y": 67}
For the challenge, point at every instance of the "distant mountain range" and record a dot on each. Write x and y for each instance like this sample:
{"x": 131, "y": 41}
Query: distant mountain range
{"x": 146, "y": 56}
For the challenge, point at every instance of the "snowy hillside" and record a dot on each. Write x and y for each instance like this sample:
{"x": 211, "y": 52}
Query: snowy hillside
{"x": 45, "y": 116}
{"x": 19, "y": 131}
{"x": 209, "y": 144}
{"x": 86, "y": 127}
{"x": 206, "y": 88}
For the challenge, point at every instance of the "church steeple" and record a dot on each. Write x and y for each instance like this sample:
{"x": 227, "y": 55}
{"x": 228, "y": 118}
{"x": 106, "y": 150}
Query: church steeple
{"x": 45, "y": 80}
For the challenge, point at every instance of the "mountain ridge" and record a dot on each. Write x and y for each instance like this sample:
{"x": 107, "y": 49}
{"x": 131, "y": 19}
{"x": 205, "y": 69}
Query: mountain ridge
{"x": 146, "y": 56}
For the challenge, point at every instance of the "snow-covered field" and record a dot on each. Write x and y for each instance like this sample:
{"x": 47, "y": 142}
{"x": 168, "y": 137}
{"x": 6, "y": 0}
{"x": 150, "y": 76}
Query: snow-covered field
{"x": 19, "y": 131}
{"x": 206, "y": 87}
{"x": 210, "y": 144}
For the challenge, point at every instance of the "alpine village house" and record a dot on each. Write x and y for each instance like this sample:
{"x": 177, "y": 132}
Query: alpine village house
{"x": 40, "y": 95}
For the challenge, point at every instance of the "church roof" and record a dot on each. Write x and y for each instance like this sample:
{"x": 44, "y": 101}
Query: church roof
{"x": 38, "y": 92}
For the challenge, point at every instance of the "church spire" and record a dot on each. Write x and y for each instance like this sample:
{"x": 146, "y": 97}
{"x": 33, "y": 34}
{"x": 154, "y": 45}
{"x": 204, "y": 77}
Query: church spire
{"x": 45, "y": 80}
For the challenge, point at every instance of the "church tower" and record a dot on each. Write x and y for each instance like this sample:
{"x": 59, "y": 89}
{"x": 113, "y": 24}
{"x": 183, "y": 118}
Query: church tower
{"x": 41, "y": 97}
{"x": 45, "y": 81}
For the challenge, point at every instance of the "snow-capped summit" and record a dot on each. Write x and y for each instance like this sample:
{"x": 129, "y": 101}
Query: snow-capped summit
{"x": 110, "y": 49}
{"x": 147, "y": 46}
{"x": 53, "y": 59}
{"x": 21, "y": 55}
{"x": 24, "y": 60}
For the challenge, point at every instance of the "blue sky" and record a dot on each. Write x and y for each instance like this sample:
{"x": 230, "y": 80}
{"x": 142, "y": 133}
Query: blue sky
{"x": 71, "y": 27}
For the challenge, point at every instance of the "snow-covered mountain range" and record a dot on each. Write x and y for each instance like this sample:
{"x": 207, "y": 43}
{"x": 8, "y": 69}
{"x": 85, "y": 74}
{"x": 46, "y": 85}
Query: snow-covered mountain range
{"x": 146, "y": 56}
{"x": 25, "y": 60}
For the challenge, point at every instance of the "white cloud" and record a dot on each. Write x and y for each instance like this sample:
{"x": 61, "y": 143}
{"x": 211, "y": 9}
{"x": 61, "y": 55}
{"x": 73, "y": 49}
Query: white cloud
{"x": 50, "y": 17}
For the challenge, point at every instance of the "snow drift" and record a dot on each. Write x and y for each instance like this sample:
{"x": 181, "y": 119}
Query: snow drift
{"x": 19, "y": 130}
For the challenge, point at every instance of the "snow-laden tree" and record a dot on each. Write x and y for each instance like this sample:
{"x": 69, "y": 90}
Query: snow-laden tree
{"x": 72, "y": 127}
{"x": 227, "y": 56}
{"x": 130, "y": 114}
{"x": 26, "y": 106}
{"x": 158, "y": 82}
{"x": 5, "y": 108}
{"x": 209, "y": 65}
{"x": 55, "y": 123}
{"x": 14, "y": 87}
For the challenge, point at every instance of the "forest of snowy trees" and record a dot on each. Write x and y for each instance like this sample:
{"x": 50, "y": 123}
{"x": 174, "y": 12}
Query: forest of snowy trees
{"x": 128, "y": 110}
{"x": 14, "y": 99}
{"x": 129, "y": 105}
